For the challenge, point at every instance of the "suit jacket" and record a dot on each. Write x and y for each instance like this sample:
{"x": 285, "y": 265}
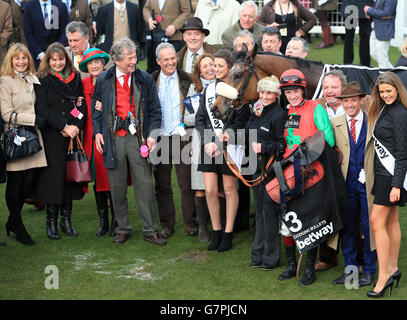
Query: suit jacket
{"x": 230, "y": 33}
{"x": 37, "y": 35}
{"x": 6, "y": 28}
{"x": 105, "y": 20}
{"x": 340, "y": 127}
{"x": 384, "y": 17}
{"x": 173, "y": 13}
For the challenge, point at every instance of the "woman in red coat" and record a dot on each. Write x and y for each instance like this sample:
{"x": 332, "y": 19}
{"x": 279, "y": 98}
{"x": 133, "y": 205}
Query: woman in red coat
{"x": 93, "y": 61}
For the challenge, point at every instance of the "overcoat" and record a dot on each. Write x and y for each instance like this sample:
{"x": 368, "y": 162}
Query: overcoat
{"x": 15, "y": 95}
{"x": 55, "y": 101}
{"x": 340, "y": 128}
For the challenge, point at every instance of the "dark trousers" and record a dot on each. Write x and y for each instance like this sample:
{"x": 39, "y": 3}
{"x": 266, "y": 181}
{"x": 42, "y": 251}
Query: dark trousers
{"x": 364, "y": 47}
{"x": 350, "y": 234}
{"x": 163, "y": 188}
{"x": 266, "y": 243}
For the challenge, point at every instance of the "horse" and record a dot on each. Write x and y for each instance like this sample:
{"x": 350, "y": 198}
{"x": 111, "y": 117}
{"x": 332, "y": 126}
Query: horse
{"x": 249, "y": 69}
{"x": 252, "y": 68}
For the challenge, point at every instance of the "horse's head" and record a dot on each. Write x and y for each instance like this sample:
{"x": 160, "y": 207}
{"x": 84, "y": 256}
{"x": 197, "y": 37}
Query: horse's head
{"x": 243, "y": 61}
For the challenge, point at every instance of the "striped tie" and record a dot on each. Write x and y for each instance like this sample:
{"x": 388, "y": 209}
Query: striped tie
{"x": 353, "y": 129}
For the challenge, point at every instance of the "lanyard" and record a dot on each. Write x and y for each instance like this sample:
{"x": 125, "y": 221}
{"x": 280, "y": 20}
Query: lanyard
{"x": 284, "y": 16}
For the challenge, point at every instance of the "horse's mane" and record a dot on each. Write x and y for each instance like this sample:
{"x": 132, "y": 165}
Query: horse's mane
{"x": 303, "y": 64}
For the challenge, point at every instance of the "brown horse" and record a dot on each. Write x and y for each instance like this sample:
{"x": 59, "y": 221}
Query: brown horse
{"x": 248, "y": 70}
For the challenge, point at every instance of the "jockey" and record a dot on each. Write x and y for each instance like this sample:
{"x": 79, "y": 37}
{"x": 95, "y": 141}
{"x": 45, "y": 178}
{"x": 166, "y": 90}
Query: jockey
{"x": 305, "y": 118}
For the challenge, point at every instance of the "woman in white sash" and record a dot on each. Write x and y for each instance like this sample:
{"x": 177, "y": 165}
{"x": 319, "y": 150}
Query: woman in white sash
{"x": 203, "y": 76}
{"x": 212, "y": 163}
{"x": 388, "y": 115}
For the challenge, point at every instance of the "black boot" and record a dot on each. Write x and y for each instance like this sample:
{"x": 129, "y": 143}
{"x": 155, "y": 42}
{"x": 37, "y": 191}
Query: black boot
{"x": 15, "y": 221}
{"x": 291, "y": 268}
{"x": 51, "y": 225}
{"x": 66, "y": 222}
{"x": 226, "y": 243}
{"x": 309, "y": 274}
{"x": 113, "y": 223}
{"x": 203, "y": 214}
{"x": 216, "y": 238}
{"x": 101, "y": 204}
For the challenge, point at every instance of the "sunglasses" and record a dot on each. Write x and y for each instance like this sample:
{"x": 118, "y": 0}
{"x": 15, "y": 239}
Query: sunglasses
{"x": 287, "y": 80}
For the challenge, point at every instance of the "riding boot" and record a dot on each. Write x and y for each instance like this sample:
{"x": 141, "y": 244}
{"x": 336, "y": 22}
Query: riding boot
{"x": 113, "y": 223}
{"x": 15, "y": 220}
{"x": 203, "y": 214}
{"x": 226, "y": 243}
{"x": 101, "y": 205}
{"x": 216, "y": 239}
{"x": 51, "y": 225}
{"x": 309, "y": 274}
{"x": 66, "y": 222}
{"x": 291, "y": 268}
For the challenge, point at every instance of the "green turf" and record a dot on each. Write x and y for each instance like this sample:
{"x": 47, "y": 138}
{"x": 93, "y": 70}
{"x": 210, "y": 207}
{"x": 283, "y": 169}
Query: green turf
{"x": 95, "y": 268}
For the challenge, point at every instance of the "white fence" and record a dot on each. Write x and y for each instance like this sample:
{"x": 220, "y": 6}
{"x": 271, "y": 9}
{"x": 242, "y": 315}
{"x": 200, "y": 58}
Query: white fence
{"x": 337, "y": 22}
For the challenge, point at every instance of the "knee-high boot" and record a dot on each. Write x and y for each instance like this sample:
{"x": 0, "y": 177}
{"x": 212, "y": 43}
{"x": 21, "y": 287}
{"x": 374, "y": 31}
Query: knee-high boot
{"x": 113, "y": 223}
{"x": 66, "y": 222}
{"x": 309, "y": 274}
{"x": 203, "y": 214}
{"x": 101, "y": 204}
{"x": 291, "y": 268}
{"x": 51, "y": 225}
{"x": 15, "y": 220}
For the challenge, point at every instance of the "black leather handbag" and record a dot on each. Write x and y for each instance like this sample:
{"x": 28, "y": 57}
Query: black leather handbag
{"x": 19, "y": 142}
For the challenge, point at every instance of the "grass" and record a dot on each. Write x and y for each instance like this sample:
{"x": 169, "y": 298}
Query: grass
{"x": 94, "y": 268}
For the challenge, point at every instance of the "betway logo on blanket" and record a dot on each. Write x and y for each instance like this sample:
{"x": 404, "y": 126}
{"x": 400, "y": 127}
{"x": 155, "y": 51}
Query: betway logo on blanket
{"x": 313, "y": 235}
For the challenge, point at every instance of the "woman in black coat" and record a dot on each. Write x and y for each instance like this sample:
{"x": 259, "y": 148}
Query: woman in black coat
{"x": 60, "y": 100}
{"x": 388, "y": 116}
{"x": 267, "y": 119}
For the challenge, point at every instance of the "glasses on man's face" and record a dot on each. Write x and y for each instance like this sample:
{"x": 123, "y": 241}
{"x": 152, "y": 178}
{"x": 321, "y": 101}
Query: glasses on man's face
{"x": 287, "y": 80}
{"x": 271, "y": 30}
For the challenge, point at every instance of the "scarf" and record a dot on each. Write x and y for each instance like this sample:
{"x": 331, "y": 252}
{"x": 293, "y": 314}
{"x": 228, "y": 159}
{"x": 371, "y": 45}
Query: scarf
{"x": 258, "y": 108}
{"x": 65, "y": 78}
{"x": 206, "y": 83}
{"x": 29, "y": 78}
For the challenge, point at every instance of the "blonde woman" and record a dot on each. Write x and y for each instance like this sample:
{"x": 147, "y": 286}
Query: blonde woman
{"x": 388, "y": 115}
{"x": 17, "y": 94}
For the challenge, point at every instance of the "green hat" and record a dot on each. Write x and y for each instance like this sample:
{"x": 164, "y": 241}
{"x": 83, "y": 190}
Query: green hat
{"x": 91, "y": 54}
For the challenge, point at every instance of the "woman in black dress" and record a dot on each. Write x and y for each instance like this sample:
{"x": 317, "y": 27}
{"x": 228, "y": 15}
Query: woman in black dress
{"x": 212, "y": 163}
{"x": 388, "y": 116}
{"x": 60, "y": 100}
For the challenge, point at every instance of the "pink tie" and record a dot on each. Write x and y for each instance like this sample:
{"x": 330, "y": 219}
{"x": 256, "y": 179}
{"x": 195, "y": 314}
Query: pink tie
{"x": 353, "y": 129}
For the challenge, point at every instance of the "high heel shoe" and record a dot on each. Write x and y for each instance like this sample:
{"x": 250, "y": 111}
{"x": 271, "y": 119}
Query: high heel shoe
{"x": 20, "y": 232}
{"x": 374, "y": 294}
{"x": 396, "y": 276}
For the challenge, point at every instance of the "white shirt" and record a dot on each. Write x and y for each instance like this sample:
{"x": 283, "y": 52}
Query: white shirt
{"x": 161, "y": 4}
{"x": 174, "y": 104}
{"x": 119, "y": 6}
{"x": 333, "y": 114}
{"x": 358, "y": 123}
{"x": 188, "y": 61}
{"x": 120, "y": 76}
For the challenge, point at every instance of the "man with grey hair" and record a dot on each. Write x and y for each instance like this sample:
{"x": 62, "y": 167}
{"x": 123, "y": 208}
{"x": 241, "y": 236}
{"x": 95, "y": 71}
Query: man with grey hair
{"x": 244, "y": 37}
{"x": 77, "y": 33}
{"x": 124, "y": 134}
{"x": 248, "y": 15}
{"x": 172, "y": 87}
{"x": 297, "y": 47}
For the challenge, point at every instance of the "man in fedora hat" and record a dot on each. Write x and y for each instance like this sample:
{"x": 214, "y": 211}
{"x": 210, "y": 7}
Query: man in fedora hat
{"x": 354, "y": 140}
{"x": 194, "y": 35}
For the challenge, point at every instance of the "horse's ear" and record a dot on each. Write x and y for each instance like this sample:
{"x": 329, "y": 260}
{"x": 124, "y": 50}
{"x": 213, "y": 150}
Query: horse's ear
{"x": 255, "y": 49}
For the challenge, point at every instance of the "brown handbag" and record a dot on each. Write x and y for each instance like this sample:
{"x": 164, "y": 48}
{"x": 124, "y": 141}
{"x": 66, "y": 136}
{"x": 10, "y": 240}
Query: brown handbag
{"x": 77, "y": 166}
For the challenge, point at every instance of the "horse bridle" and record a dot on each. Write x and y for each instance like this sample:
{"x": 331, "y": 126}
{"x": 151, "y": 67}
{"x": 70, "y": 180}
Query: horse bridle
{"x": 250, "y": 72}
